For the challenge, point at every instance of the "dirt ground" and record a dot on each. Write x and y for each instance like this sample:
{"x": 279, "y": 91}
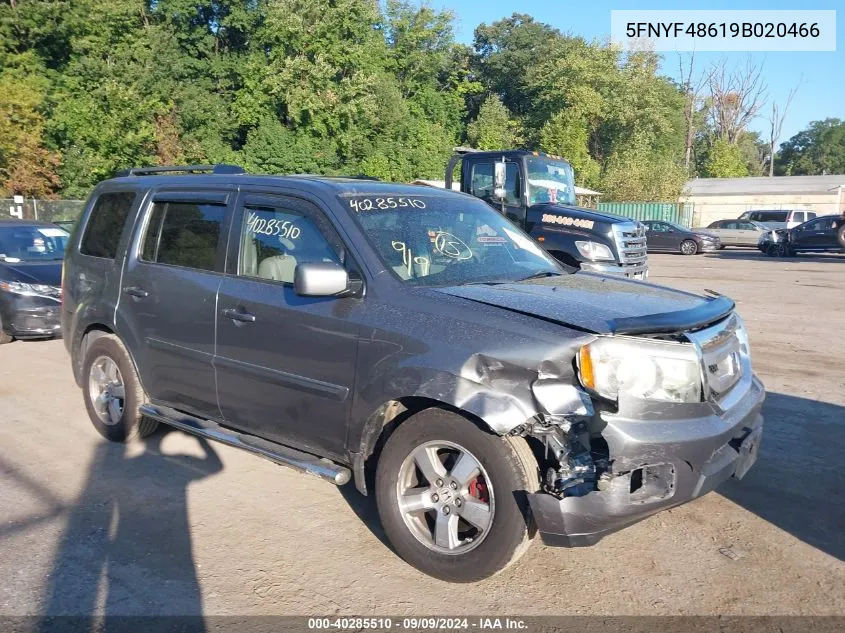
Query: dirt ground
{"x": 173, "y": 526}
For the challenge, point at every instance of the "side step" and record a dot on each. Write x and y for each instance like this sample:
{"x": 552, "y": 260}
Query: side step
{"x": 305, "y": 462}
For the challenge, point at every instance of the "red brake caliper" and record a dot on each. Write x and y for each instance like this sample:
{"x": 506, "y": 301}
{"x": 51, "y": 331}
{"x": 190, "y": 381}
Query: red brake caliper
{"x": 478, "y": 489}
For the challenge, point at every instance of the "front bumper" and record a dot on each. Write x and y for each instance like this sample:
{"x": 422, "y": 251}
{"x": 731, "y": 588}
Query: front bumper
{"x": 629, "y": 271}
{"x": 29, "y": 316}
{"x": 660, "y": 465}
{"x": 709, "y": 247}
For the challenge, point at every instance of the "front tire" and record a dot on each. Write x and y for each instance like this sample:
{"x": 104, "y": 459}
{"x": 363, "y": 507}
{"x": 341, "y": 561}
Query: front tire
{"x": 452, "y": 497}
{"x": 689, "y": 247}
{"x": 113, "y": 392}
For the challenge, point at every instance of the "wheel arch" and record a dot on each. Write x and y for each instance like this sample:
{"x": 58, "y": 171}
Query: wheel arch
{"x": 379, "y": 426}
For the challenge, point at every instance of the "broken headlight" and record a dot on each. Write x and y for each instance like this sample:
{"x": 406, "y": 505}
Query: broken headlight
{"x": 641, "y": 368}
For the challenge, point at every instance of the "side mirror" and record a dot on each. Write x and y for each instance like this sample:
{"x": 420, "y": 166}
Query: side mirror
{"x": 499, "y": 180}
{"x": 320, "y": 279}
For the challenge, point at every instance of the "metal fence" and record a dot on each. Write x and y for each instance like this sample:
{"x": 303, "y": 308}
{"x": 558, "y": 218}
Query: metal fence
{"x": 46, "y": 210}
{"x": 677, "y": 212}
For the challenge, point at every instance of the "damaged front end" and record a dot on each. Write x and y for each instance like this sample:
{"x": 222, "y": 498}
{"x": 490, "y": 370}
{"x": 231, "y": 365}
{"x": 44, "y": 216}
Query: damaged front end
{"x": 610, "y": 460}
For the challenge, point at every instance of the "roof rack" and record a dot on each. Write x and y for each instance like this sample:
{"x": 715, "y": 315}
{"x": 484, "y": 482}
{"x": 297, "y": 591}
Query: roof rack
{"x": 191, "y": 169}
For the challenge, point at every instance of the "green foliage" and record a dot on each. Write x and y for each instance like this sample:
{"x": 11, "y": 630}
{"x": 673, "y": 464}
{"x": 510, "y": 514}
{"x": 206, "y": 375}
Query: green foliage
{"x": 494, "y": 128}
{"x": 725, "y": 160}
{"x": 820, "y": 149}
{"x": 327, "y": 86}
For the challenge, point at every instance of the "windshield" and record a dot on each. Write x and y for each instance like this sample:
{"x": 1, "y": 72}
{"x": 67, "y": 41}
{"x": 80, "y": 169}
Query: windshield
{"x": 430, "y": 240}
{"x": 550, "y": 181}
{"x": 27, "y": 243}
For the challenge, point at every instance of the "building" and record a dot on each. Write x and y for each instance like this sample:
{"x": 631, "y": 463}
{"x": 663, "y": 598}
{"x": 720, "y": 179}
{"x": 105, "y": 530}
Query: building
{"x": 726, "y": 198}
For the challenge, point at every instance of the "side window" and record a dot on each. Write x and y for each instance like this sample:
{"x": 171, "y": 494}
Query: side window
{"x": 798, "y": 216}
{"x": 105, "y": 224}
{"x": 747, "y": 226}
{"x": 274, "y": 240}
{"x": 481, "y": 183}
{"x": 183, "y": 234}
{"x": 813, "y": 226}
{"x": 730, "y": 225}
{"x": 810, "y": 215}
{"x": 718, "y": 224}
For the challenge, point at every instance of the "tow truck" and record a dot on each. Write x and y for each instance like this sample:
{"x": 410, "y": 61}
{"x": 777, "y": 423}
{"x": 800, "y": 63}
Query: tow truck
{"x": 537, "y": 192}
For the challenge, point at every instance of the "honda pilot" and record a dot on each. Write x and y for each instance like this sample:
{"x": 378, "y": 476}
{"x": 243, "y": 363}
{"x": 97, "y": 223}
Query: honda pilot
{"x": 410, "y": 340}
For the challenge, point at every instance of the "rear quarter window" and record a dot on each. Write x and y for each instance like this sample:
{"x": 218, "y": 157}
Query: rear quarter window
{"x": 105, "y": 224}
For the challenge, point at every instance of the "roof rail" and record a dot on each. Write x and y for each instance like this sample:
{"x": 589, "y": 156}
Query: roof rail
{"x": 192, "y": 169}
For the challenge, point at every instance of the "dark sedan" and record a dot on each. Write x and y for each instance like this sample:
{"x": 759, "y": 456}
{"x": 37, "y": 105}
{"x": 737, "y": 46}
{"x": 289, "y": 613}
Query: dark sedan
{"x": 822, "y": 234}
{"x": 31, "y": 256}
{"x": 668, "y": 237}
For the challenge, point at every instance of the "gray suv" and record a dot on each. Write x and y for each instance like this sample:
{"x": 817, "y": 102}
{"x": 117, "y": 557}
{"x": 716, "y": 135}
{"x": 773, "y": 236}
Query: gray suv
{"x": 412, "y": 340}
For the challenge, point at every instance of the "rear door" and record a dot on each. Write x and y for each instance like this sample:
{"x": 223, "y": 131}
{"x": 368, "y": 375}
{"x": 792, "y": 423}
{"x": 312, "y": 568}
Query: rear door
{"x": 166, "y": 310}
{"x": 728, "y": 232}
{"x": 285, "y": 363}
{"x": 748, "y": 234}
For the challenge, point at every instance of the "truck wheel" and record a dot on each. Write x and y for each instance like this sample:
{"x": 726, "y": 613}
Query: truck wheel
{"x": 112, "y": 391}
{"x": 689, "y": 247}
{"x": 452, "y": 497}
{"x": 840, "y": 236}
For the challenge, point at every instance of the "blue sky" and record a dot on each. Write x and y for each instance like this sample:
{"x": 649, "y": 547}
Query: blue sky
{"x": 822, "y": 75}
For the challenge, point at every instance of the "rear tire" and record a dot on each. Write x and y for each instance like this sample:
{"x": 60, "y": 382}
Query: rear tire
{"x": 689, "y": 247}
{"x": 840, "y": 236}
{"x": 502, "y": 471}
{"x": 112, "y": 391}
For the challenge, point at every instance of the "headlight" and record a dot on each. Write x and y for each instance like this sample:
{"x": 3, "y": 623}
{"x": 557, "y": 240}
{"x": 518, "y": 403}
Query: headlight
{"x": 641, "y": 368}
{"x": 17, "y": 287}
{"x": 594, "y": 251}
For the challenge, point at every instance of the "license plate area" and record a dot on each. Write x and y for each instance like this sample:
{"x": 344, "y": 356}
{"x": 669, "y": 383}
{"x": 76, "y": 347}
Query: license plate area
{"x": 748, "y": 449}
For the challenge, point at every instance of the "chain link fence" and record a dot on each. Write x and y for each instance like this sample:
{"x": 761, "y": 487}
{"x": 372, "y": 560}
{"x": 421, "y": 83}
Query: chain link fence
{"x": 45, "y": 210}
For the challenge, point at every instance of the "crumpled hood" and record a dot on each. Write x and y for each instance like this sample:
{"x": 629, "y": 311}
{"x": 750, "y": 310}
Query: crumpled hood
{"x": 48, "y": 273}
{"x": 602, "y": 305}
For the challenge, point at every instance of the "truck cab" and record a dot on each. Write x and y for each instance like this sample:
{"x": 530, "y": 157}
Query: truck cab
{"x": 537, "y": 192}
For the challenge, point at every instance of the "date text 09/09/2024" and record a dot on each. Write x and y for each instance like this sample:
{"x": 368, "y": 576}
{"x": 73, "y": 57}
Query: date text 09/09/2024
{"x": 416, "y": 623}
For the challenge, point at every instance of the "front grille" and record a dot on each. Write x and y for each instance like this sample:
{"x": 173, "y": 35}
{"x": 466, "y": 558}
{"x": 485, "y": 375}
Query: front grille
{"x": 630, "y": 242}
{"x": 720, "y": 351}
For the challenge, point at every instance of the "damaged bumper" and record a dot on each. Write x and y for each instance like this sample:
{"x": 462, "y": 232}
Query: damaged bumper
{"x": 659, "y": 464}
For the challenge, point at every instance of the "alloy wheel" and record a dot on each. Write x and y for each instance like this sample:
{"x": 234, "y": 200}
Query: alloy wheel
{"x": 106, "y": 390}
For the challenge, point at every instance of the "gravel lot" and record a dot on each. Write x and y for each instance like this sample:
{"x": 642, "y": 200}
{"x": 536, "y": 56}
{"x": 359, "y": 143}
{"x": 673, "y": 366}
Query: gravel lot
{"x": 174, "y": 526}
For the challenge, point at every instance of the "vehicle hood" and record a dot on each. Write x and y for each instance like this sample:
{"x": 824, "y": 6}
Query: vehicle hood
{"x": 601, "y": 305}
{"x": 48, "y": 273}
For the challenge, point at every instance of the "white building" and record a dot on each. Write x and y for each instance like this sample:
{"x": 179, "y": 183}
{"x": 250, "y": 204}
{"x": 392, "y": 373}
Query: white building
{"x": 726, "y": 198}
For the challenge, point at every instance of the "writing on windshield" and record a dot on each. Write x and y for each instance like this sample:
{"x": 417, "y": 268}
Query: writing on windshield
{"x": 445, "y": 239}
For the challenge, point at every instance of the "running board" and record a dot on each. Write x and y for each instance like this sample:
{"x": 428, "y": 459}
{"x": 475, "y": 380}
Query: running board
{"x": 298, "y": 460}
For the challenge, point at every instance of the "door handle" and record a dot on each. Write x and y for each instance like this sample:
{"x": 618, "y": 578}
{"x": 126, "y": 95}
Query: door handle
{"x": 135, "y": 291}
{"x": 236, "y": 315}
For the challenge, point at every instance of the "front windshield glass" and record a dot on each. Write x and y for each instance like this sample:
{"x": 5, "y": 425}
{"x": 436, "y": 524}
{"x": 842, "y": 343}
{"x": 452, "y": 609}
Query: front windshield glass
{"x": 27, "y": 243}
{"x": 431, "y": 240}
{"x": 550, "y": 180}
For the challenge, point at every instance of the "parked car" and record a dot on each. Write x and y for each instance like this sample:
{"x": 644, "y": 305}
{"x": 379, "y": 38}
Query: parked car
{"x": 30, "y": 279}
{"x": 822, "y": 234}
{"x": 674, "y": 238}
{"x": 735, "y": 232}
{"x": 411, "y": 339}
{"x": 778, "y": 218}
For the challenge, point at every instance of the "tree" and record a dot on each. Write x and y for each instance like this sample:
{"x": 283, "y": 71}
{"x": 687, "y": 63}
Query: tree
{"x": 566, "y": 134}
{"x": 776, "y": 125}
{"x": 494, "y": 128}
{"x": 736, "y": 97}
{"x": 636, "y": 174}
{"x": 692, "y": 88}
{"x": 820, "y": 149}
{"x": 725, "y": 160}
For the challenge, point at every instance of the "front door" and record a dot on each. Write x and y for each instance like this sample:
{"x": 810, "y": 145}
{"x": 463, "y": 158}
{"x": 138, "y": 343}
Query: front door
{"x": 166, "y": 309}
{"x": 285, "y": 363}
{"x": 659, "y": 238}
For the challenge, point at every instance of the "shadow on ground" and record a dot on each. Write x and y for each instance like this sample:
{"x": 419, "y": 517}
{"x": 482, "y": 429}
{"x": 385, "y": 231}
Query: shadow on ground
{"x": 126, "y": 549}
{"x": 797, "y": 483}
{"x": 753, "y": 253}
